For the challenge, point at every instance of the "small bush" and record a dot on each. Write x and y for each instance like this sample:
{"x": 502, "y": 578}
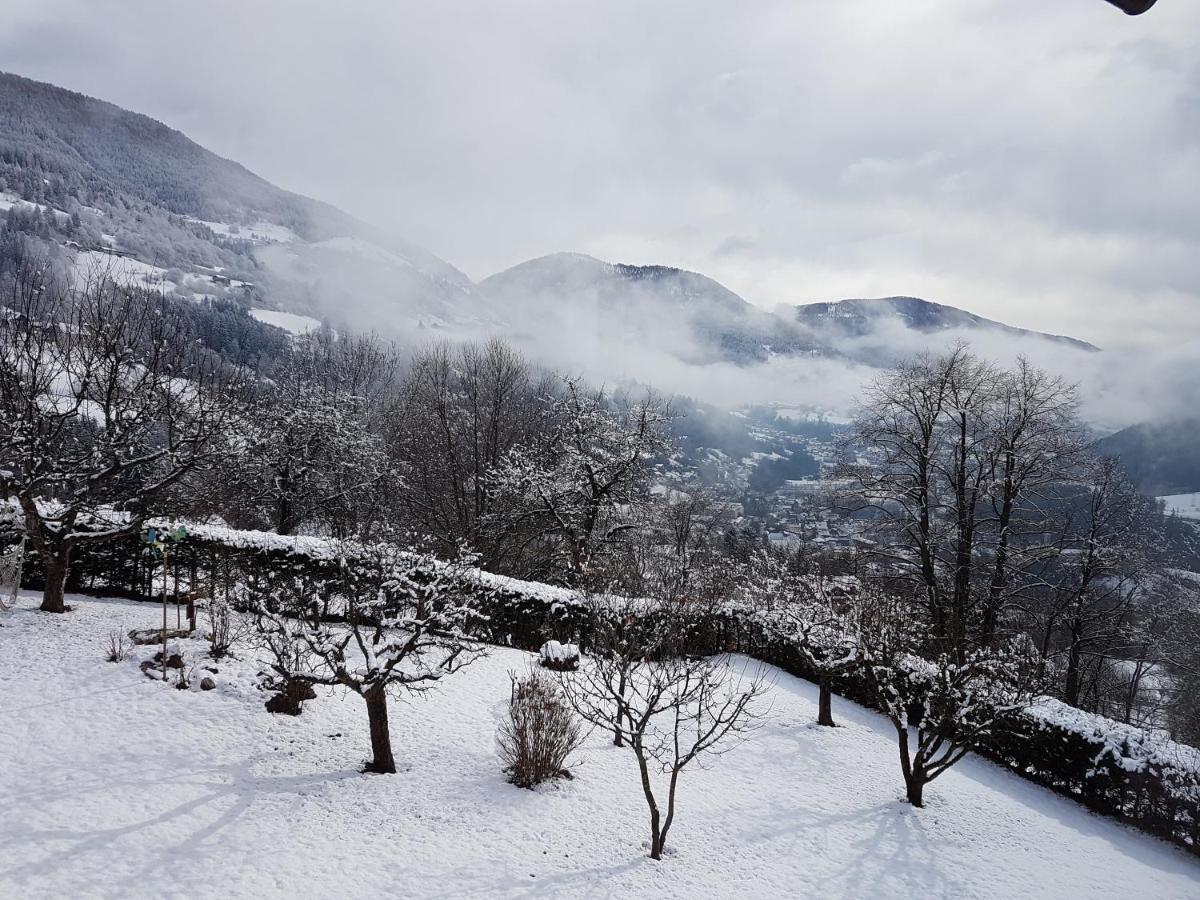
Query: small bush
{"x": 559, "y": 657}
{"x": 540, "y": 732}
{"x": 225, "y": 628}
{"x": 117, "y": 649}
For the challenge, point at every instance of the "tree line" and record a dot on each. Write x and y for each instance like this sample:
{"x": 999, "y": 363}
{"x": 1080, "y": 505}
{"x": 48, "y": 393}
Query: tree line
{"x": 999, "y": 543}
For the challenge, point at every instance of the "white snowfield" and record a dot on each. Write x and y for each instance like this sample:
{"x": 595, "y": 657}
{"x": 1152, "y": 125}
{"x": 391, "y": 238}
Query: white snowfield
{"x": 1186, "y": 506}
{"x": 113, "y": 785}
{"x": 261, "y": 232}
{"x": 292, "y": 323}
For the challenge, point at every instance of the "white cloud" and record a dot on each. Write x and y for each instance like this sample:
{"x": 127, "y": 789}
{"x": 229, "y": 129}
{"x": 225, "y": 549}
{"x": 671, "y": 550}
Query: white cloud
{"x": 1036, "y": 163}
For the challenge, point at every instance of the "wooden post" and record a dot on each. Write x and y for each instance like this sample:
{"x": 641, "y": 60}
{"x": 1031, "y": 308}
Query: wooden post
{"x": 164, "y": 606}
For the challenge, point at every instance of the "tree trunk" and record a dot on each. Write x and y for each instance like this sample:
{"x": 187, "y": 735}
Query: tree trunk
{"x": 825, "y": 702}
{"x": 914, "y": 773}
{"x": 617, "y": 742}
{"x": 1074, "y": 681}
{"x": 381, "y": 739}
{"x": 56, "y": 570}
{"x": 285, "y": 515}
{"x": 656, "y": 835}
{"x": 915, "y": 788}
{"x": 656, "y": 845}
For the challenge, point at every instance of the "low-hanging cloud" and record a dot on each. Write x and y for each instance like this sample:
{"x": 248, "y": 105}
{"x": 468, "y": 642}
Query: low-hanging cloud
{"x": 1035, "y": 163}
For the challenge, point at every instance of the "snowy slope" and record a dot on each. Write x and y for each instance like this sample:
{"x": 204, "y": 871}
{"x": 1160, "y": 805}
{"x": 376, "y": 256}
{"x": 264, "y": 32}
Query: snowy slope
{"x": 1186, "y": 506}
{"x": 114, "y": 785}
{"x": 289, "y": 322}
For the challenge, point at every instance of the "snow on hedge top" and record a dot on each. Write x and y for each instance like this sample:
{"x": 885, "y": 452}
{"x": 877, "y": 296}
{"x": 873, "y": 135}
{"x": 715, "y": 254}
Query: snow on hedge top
{"x": 1130, "y": 747}
{"x": 267, "y": 541}
{"x": 320, "y": 548}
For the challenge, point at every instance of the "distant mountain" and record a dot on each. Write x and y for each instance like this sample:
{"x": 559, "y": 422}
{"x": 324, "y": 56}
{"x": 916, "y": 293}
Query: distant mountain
{"x": 96, "y": 185}
{"x": 1162, "y": 458}
{"x": 686, "y": 314}
{"x": 696, "y": 319}
{"x": 852, "y": 324}
{"x": 104, "y": 182}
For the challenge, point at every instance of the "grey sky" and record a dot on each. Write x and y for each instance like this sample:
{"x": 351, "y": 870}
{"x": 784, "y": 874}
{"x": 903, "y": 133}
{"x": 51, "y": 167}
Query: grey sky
{"x": 1034, "y": 162}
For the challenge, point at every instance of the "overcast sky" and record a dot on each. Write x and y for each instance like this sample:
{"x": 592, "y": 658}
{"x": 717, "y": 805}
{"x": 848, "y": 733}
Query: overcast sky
{"x": 1037, "y": 162}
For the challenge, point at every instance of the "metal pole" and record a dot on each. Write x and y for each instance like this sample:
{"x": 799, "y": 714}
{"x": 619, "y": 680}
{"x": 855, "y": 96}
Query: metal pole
{"x": 164, "y": 605}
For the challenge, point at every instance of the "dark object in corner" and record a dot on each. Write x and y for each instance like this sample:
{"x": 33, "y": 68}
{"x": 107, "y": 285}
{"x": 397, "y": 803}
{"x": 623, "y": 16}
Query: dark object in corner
{"x": 1133, "y": 7}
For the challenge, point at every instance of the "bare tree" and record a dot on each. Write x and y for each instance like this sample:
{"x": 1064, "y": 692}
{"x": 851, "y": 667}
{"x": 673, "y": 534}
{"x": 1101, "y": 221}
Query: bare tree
{"x": 960, "y": 458}
{"x": 1089, "y": 587}
{"x": 941, "y": 706}
{"x": 668, "y": 709}
{"x": 101, "y": 414}
{"x": 582, "y": 481}
{"x": 1035, "y": 443}
{"x": 459, "y": 413}
{"x": 405, "y": 621}
{"x": 309, "y": 450}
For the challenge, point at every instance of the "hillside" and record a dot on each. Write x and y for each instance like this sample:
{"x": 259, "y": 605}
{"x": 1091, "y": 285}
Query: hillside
{"x": 686, "y": 314}
{"x": 1164, "y": 458}
{"x": 97, "y": 186}
{"x": 853, "y": 323}
{"x": 117, "y": 785}
{"x": 99, "y": 183}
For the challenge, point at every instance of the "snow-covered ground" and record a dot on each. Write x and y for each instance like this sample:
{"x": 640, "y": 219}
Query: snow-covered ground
{"x": 118, "y": 786}
{"x": 128, "y": 270}
{"x": 9, "y": 200}
{"x": 260, "y": 232}
{"x": 1186, "y": 506}
{"x": 289, "y": 322}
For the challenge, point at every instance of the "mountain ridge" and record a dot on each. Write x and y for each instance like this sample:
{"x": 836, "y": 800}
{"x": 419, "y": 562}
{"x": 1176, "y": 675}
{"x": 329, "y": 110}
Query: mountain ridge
{"x": 92, "y": 180}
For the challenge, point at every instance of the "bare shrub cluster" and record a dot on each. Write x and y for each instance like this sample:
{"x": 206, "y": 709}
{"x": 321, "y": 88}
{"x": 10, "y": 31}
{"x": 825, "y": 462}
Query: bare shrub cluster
{"x": 540, "y": 732}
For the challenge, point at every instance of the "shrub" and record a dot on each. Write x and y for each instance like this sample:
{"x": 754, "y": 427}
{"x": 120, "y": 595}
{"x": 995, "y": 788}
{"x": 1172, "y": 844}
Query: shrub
{"x": 540, "y": 732}
{"x": 225, "y": 628}
{"x": 117, "y": 650}
{"x": 559, "y": 657}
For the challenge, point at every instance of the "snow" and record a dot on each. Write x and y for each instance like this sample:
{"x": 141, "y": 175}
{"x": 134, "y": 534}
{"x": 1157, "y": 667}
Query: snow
{"x": 128, "y": 270}
{"x": 555, "y": 651}
{"x": 352, "y": 246}
{"x": 260, "y": 232}
{"x": 9, "y": 200}
{"x": 1186, "y": 506}
{"x": 117, "y": 785}
{"x": 1130, "y": 747}
{"x": 121, "y": 268}
{"x": 289, "y": 322}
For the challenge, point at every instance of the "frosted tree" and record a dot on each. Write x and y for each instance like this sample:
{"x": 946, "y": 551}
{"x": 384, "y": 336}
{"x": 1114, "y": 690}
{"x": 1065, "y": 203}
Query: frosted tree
{"x": 820, "y": 616}
{"x": 941, "y": 707}
{"x": 459, "y": 413}
{"x": 593, "y": 466}
{"x": 102, "y": 413}
{"x": 310, "y": 448}
{"x": 404, "y": 623}
{"x": 668, "y": 708}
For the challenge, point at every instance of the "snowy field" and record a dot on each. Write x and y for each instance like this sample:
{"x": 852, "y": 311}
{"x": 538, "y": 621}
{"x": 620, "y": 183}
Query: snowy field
{"x": 113, "y": 785}
{"x": 289, "y": 322}
{"x": 1186, "y": 506}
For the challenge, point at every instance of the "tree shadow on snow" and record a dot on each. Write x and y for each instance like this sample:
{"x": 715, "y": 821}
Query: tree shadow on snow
{"x": 173, "y": 831}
